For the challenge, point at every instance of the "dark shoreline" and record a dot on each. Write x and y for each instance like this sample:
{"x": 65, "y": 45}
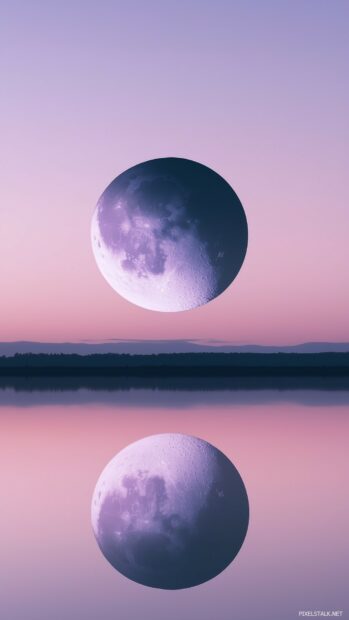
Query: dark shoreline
{"x": 176, "y": 371}
{"x": 54, "y": 383}
{"x": 174, "y": 363}
{"x": 199, "y": 371}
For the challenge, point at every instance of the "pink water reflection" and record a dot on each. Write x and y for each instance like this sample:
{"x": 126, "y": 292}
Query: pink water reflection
{"x": 292, "y": 458}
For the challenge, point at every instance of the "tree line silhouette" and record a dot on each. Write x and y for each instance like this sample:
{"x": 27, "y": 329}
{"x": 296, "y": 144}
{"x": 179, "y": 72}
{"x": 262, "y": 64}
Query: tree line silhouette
{"x": 177, "y": 364}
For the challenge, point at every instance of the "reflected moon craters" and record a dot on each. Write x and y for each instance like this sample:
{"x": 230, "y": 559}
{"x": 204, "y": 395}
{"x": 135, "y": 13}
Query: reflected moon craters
{"x": 170, "y": 511}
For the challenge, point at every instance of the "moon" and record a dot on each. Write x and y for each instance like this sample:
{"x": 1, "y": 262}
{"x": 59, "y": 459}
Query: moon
{"x": 169, "y": 234}
{"x": 170, "y": 511}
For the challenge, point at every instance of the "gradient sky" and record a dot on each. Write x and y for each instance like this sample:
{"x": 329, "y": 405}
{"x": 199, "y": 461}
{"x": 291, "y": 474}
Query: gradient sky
{"x": 256, "y": 90}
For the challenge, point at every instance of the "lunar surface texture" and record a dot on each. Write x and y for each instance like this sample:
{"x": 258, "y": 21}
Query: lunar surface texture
{"x": 170, "y": 511}
{"x": 169, "y": 234}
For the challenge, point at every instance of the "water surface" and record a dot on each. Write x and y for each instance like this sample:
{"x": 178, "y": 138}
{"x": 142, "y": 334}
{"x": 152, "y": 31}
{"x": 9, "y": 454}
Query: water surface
{"x": 290, "y": 449}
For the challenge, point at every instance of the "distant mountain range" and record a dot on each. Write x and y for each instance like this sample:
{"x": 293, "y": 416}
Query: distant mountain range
{"x": 148, "y": 347}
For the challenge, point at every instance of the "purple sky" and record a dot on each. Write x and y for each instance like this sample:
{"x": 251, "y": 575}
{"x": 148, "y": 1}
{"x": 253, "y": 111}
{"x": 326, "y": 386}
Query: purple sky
{"x": 256, "y": 90}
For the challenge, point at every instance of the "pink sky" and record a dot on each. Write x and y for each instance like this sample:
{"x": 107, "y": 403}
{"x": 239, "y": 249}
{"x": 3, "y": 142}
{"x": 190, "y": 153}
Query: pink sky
{"x": 257, "y": 91}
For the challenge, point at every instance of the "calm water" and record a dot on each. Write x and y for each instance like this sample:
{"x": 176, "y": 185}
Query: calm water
{"x": 290, "y": 449}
